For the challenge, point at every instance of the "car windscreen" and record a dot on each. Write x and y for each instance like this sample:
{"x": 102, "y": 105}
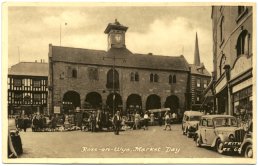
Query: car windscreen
{"x": 225, "y": 122}
{"x": 194, "y": 118}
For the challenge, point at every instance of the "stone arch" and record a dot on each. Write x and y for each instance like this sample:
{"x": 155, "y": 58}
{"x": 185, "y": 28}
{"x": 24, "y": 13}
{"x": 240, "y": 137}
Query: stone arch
{"x": 114, "y": 99}
{"x": 71, "y": 100}
{"x": 93, "y": 100}
{"x": 172, "y": 102}
{"x": 134, "y": 102}
{"x": 153, "y": 102}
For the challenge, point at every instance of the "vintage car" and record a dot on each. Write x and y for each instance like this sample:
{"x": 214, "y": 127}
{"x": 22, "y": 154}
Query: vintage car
{"x": 218, "y": 131}
{"x": 190, "y": 122}
{"x": 246, "y": 148}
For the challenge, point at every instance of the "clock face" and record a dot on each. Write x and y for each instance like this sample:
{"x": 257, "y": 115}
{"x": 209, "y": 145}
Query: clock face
{"x": 118, "y": 38}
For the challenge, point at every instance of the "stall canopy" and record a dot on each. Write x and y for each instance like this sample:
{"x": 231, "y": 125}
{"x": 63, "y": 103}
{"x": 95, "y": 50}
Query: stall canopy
{"x": 159, "y": 110}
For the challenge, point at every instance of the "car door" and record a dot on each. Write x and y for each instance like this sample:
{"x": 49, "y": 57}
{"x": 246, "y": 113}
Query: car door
{"x": 209, "y": 132}
{"x": 202, "y": 128}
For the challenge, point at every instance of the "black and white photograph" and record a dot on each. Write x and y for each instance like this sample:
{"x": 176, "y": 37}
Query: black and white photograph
{"x": 129, "y": 83}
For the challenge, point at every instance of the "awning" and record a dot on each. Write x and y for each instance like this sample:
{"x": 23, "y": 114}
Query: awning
{"x": 159, "y": 110}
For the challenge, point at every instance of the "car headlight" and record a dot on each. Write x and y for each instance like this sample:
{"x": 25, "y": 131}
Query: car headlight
{"x": 231, "y": 137}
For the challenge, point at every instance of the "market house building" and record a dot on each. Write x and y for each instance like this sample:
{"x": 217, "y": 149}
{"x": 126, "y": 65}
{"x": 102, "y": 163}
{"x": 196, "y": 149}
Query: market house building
{"x": 27, "y": 88}
{"x": 233, "y": 58}
{"x": 116, "y": 78}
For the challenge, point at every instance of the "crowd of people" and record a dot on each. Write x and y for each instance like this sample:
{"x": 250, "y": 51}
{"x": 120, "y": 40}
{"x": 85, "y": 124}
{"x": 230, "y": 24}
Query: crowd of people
{"x": 94, "y": 121}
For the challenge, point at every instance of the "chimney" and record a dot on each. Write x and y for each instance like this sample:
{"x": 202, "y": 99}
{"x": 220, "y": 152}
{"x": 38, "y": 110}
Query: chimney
{"x": 150, "y": 53}
{"x": 35, "y": 61}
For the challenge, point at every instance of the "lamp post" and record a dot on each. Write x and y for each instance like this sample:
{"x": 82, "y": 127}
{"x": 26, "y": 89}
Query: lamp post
{"x": 227, "y": 72}
{"x": 113, "y": 78}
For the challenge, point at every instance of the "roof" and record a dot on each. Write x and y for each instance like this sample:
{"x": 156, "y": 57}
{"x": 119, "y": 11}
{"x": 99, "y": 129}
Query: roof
{"x": 193, "y": 113}
{"x": 194, "y": 70}
{"x": 218, "y": 116}
{"x": 125, "y": 58}
{"x": 29, "y": 69}
{"x": 116, "y": 25}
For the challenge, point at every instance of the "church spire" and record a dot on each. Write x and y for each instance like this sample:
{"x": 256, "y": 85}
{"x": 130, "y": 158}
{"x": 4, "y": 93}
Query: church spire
{"x": 196, "y": 52}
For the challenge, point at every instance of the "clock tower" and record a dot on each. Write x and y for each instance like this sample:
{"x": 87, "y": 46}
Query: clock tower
{"x": 116, "y": 35}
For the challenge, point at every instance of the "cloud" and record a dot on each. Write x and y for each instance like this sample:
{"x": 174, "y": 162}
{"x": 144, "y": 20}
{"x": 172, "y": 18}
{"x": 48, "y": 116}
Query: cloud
{"x": 173, "y": 38}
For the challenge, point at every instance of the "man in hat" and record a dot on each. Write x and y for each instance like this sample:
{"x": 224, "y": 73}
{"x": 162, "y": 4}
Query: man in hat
{"x": 117, "y": 119}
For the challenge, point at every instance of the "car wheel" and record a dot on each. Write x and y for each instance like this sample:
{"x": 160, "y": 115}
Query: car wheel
{"x": 188, "y": 133}
{"x": 183, "y": 130}
{"x": 198, "y": 141}
{"x": 219, "y": 146}
{"x": 249, "y": 151}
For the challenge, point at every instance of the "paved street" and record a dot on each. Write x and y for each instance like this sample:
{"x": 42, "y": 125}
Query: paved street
{"x": 131, "y": 143}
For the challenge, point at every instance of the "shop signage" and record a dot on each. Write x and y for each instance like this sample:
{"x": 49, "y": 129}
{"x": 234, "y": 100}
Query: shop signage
{"x": 221, "y": 85}
{"x": 242, "y": 85}
{"x": 57, "y": 110}
{"x": 242, "y": 64}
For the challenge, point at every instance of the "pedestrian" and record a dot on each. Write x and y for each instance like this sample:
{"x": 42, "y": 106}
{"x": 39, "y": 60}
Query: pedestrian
{"x": 137, "y": 119}
{"x": 53, "y": 123}
{"x": 146, "y": 120}
{"x": 160, "y": 119}
{"x": 117, "y": 119}
{"x": 167, "y": 120}
{"x": 25, "y": 123}
{"x": 93, "y": 122}
{"x": 174, "y": 117}
{"x": 152, "y": 118}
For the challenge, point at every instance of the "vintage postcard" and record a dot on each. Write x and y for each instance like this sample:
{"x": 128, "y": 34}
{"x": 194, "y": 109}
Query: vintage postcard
{"x": 129, "y": 83}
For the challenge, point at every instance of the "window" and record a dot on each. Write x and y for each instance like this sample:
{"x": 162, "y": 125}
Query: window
{"x": 198, "y": 82}
{"x": 205, "y": 83}
{"x": 174, "y": 79}
{"x": 132, "y": 76}
{"x": 197, "y": 98}
{"x": 37, "y": 97}
{"x": 209, "y": 123}
{"x": 156, "y": 78}
{"x": 204, "y": 122}
{"x": 27, "y": 98}
{"x": 243, "y": 43}
{"x": 93, "y": 73}
{"x": 151, "y": 77}
{"x": 170, "y": 79}
{"x": 221, "y": 26}
{"x": 112, "y": 81}
{"x": 136, "y": 76}
{"x": 18, "y": 96}
{"x": 74, "y": 73}
{"x": 36, "y": 83}
{"x": 17, "y": 82}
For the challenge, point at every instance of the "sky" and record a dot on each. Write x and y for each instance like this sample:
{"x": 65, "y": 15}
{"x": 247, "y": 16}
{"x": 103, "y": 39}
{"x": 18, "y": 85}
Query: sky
{"x": 161, "y": 30}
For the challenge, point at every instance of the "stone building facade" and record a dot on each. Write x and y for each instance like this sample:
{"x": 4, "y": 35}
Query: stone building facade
{"x": 233, "y": 58}
{"x": 116, "y": 78}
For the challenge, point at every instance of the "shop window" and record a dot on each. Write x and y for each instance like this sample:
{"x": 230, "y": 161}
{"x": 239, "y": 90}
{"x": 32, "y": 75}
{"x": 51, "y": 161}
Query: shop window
{"x": 17, "y": 82}
{"x": 136, "y": 76}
